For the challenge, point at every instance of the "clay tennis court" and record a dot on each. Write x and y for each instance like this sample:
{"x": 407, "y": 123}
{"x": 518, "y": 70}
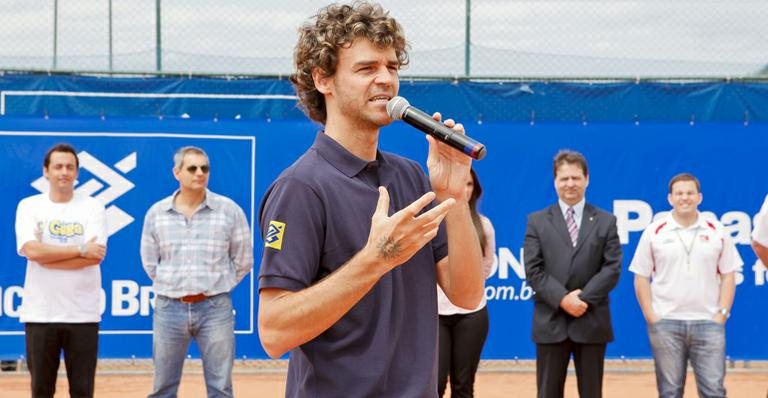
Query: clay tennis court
{"x": 622, "y": 380}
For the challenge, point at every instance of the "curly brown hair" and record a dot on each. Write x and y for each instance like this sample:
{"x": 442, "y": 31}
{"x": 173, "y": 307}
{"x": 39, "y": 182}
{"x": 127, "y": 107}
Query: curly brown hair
{"x": 332, "y": 28}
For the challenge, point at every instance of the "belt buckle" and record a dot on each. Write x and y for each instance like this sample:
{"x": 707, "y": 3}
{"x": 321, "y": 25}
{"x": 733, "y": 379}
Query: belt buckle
{"x": 184, "y": 300}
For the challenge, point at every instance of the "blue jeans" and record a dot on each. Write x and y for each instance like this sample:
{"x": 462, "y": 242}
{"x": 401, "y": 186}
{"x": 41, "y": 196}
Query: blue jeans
{"x": 211, "y": 324}
{"x": 674, "y": 342}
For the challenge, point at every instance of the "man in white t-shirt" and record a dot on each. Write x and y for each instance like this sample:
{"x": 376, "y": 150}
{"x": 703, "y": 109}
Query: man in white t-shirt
{"x": 63, "y": 235}
{"x": 684, "y": 270}
{"x": 760, "y": 233}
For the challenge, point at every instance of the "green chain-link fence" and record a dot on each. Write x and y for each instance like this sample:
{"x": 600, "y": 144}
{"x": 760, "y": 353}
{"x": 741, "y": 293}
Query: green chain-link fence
{"x": 508, "y": 39}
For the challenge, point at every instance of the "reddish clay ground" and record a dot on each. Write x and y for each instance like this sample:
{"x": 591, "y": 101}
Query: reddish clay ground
{"x": 740, "y": 384}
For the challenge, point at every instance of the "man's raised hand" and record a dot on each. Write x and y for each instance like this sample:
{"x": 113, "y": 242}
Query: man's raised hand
{"x": 395, "y": 239}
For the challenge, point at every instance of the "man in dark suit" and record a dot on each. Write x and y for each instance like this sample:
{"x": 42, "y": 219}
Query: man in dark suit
{"x": 572, "y": 261}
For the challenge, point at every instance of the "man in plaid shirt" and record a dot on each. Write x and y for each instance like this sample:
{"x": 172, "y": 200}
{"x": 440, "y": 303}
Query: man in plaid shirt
{"x": 196, "y": 246}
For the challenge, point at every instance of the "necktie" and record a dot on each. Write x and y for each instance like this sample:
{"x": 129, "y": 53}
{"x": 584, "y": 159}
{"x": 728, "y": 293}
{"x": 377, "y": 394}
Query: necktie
{"x": 570, "y": 222}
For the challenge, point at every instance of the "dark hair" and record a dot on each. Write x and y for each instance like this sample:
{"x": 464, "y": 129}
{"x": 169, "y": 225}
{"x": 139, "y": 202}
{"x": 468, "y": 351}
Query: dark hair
{"x": 60, "y": 148}
{"x": 477, "y": 191}
{"x": 570, "y": 157}
{"x": 685, "y": 177}
{"x": 335, "y": 27}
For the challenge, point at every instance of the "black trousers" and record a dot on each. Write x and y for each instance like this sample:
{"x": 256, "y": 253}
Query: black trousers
{"x": 552, "y": 367}
{"x": 461, "y": 340}
{"x": 46, "y": 341}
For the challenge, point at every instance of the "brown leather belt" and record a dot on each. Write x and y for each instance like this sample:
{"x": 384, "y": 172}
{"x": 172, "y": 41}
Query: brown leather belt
{"x": 194, "y": 298}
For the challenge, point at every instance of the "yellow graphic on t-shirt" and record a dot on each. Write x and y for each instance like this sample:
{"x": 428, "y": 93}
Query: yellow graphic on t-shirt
{"x": 59, "y": 228}
{"x": 274, "y": 238}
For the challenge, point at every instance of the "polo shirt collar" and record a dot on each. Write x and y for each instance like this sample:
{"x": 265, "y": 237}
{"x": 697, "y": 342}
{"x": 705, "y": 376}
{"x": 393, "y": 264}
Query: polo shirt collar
{"x": 340, "y": 158}
{"x": 700, "y": 222}
{"x": 167, "y": 204}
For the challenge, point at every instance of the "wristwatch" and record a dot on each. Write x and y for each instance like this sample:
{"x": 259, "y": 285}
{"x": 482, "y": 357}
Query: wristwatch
{"x": 724, "y": 312}
{"x": 83, "y": 249}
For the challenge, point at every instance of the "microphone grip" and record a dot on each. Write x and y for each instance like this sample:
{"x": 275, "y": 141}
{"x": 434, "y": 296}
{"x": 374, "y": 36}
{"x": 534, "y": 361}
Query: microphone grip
{"x": 427, "y": 124}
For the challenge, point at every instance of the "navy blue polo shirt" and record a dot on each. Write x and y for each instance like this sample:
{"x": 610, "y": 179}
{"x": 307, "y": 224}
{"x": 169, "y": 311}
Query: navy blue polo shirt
{"x": 313, "y": 219}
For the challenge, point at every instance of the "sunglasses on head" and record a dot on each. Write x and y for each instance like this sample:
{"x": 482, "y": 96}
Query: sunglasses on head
{"x": 204, "y": 168}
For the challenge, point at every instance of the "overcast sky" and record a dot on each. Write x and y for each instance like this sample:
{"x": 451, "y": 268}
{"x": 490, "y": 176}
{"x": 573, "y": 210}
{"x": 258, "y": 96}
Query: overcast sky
{"x": 509, "y": 38}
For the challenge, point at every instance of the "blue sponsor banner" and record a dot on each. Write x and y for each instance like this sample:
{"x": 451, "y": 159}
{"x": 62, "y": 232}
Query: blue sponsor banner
{"x": 630, "y": 166}
{"x": 128, "y": 171}
{"x": 128, "y": 129}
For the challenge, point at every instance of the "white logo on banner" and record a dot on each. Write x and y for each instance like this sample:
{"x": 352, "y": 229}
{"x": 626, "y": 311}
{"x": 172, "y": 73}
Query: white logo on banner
{"x": 117, "y": 186}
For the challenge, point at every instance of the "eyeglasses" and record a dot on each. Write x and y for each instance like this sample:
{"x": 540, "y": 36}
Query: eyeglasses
{"x": 204, "y": 168}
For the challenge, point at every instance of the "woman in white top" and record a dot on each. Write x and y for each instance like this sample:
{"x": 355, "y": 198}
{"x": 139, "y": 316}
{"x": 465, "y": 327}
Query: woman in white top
{"x": 462, "y": 331}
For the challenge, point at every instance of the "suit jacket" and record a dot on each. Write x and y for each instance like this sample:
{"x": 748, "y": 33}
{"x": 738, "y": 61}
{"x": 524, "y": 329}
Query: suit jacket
{"x": 553, "y": 267}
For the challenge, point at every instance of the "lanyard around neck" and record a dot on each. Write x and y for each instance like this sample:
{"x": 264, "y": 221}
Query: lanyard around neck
{"x": 687, "y": 247}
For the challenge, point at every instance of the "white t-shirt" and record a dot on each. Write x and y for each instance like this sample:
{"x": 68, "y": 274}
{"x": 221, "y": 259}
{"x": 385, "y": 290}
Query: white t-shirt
{"x": 55, "y": 295}
{"x": 444, "y": 305}
{"x": 685, "y": 265}
{"x": 760, "y": 232}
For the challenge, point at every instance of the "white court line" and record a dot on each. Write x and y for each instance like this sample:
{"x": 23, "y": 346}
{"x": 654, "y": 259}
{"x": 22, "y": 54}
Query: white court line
{"x": 28, "y": 93}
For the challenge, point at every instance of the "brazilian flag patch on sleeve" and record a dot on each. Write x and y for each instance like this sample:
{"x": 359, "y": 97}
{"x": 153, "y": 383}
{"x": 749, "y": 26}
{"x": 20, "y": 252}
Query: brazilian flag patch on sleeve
{"x": 274, "y": 238}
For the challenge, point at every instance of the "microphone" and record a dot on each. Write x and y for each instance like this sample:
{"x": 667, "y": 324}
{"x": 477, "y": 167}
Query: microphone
{"x": 398, "y": 108}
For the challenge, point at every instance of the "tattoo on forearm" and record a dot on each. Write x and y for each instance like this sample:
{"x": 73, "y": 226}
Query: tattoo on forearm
{"x": 388, "y": 248}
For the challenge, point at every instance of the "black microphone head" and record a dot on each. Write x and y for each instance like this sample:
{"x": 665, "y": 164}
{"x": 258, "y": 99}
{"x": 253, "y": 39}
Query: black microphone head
{"x": 396, "y": 107}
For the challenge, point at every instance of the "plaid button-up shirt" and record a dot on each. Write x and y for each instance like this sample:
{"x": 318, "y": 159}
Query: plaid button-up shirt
{"x": 208, "y": 253}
